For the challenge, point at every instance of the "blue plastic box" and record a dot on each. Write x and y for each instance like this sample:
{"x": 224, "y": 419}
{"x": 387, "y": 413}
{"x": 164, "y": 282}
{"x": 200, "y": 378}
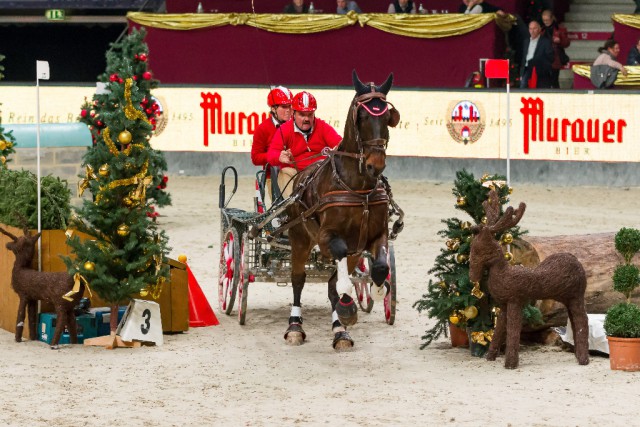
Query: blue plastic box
{"x": 103, "y": 318}
{"x": 86, "y": 327}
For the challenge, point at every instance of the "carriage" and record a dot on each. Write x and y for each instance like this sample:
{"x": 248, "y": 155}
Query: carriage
{"x": 249, "y": 252}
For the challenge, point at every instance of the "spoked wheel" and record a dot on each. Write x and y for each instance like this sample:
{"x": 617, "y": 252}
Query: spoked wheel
{"x": 363, "y": 289}
{"x": 229, "y": 272}
{"x": 243, "y": 283}
{"x": 390, "y": 298}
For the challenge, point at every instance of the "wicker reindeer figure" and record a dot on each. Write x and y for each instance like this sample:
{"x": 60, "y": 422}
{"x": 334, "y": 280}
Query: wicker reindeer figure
{"x": 560, "y": 277}
{"x": 32, "y": 285}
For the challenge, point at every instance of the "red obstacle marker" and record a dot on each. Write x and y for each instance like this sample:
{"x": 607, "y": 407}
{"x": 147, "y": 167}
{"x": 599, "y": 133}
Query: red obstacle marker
{"x": 200, "y": 312}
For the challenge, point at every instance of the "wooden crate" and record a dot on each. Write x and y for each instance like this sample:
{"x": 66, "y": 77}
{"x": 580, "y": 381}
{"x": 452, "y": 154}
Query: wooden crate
{"x": 174, "y": 300}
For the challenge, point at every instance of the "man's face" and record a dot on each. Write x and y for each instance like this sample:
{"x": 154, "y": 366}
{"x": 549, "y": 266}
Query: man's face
{"x": 298, "y": 2}
{"x": 304, "y": 119}
{"x": 342, "y": 4}
{"x": 283, "y": 112}
{"x": 546, "y": 19}
{"x": 534, "y": 29}
{"x": 403, "y": 3}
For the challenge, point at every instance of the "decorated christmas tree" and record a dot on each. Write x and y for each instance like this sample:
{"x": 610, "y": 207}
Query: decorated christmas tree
{"x": 124, "y": 257}
{"x": 131, "y": 56}
{"x": 7, "y": 141}
{"x": 452, "y": 298}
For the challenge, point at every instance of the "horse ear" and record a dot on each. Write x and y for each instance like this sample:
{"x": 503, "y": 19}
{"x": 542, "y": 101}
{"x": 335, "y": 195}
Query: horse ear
{"x": 386, "y": 86}
{"x": 394, "y": 117}
{"x": 357, "y": 84}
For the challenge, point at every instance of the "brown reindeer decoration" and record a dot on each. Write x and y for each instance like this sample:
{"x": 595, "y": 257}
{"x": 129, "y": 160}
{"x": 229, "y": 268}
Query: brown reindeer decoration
{"x": 560, "y": 277}
{"x": 32, "y": 285}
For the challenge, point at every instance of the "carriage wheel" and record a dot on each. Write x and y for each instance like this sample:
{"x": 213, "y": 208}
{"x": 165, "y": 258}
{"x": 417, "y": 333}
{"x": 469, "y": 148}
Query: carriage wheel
{"x": 363, "y": 289}
{"x": 229, "y": 272}
{"x": 390, "y": 298}
{"x": 243, "y": 283}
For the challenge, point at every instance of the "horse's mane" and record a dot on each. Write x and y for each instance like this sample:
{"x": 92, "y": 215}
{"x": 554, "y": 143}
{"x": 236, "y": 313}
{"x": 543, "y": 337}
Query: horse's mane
{"x": 349, "y": 126}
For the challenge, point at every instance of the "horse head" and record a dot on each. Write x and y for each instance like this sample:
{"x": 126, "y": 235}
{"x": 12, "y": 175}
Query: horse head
{"x": 367, "y": 127}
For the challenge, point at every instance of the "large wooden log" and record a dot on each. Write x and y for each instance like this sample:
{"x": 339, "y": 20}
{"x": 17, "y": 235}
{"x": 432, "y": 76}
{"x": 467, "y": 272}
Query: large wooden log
{"x": 599, "y": 258}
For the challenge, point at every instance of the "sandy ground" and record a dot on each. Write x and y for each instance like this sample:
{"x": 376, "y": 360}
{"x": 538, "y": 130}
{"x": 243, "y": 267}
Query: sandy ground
{"x": 246, "y": 375}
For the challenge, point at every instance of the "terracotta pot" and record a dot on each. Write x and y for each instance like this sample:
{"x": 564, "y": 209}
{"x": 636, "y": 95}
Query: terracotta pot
{"x": 624, "y": 353}
{"x": 458, "y": 336}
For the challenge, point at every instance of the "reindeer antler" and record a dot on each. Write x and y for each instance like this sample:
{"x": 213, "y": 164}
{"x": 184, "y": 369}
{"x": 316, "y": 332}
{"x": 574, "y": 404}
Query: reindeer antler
{"x": 23, "y": 221}
{"x": 510, "y": 218}
{"x": 6, "y": 233}
{"x": 492, "y": 208}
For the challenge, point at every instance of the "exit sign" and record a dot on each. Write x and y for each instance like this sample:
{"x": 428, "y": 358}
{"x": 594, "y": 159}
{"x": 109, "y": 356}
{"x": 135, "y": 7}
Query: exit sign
{"x": 54, "y": 14}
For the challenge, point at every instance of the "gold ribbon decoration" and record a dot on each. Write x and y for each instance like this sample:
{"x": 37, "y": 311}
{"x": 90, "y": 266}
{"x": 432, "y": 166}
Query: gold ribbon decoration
{"x": 632, "y": 78}
{"x": 130, "y": 111}
{"x": 76, "y": 287}
{"x": 481, "y": 337}
{"x": 418, "y": 26}
{"x": 84, "y": 183}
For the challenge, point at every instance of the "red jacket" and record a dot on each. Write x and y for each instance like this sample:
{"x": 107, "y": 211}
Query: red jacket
{"x": 303, "y": 151}
{"x": 261, "y": 140}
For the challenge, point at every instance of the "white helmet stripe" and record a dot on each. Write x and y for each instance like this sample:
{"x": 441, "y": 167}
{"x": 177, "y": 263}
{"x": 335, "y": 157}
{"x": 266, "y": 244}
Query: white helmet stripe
{"x": 305, "y": 99}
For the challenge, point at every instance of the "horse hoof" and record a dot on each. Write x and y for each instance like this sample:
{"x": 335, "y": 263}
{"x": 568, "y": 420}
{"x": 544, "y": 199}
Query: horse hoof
{"x": 295, "y": 334}
{"x": 295, "y": 338}
{"x": 342, "y": 341}
{"x": 491, "y": 356}
{"x": 55, "y": 347}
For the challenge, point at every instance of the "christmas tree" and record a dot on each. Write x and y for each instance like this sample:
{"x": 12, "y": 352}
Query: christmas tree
{"x": 131, "y": 56}
{"x": 125, "y": 255}
{"x": 452, "y": 298}
{"x": 7, "y": 141}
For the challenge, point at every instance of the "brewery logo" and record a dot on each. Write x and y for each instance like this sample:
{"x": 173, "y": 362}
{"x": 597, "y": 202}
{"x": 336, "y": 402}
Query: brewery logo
{"x": 161, "y": 115}
{"x": 465, "y": 122}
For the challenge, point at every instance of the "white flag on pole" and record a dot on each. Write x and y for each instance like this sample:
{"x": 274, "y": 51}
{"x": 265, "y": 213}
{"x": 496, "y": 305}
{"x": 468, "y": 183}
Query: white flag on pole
{"x": 42, "y": 70}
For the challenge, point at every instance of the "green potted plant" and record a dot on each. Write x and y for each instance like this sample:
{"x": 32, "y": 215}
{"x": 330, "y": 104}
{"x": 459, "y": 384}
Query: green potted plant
{"x": 622, "y": 322}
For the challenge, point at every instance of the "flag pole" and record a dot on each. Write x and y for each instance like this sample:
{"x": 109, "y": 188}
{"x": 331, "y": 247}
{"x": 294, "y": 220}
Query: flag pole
{"x": 508, "y": 130}
{"x": 42, "y": 72}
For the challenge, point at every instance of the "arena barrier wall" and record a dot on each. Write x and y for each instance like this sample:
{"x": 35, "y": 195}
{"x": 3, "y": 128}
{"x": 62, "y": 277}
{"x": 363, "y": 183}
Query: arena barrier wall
{"x": 557, "y": 137}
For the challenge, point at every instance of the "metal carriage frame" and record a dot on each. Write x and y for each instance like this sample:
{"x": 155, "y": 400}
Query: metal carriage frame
{"x": 245, "y": 259}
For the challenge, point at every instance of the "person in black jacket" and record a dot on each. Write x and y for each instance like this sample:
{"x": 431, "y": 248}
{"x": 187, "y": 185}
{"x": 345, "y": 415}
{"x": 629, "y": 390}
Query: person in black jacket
{"x": 634, "y": 54}
{"x": 537, "y": 53}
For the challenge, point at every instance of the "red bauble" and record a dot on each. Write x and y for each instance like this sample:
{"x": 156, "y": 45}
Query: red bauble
{"x": 149, "y": 111}
{"x": 120, "y": 80}
{"x": 135, "y": 78}
{"x": 152, "y": 121}
{"x": 155, "y": 106}
{"x": 113, "y": 77}
{"x": 146, "y": 75}
{"x": 99, "y": 123}
{"x": 83, "y": 113}
{"x": 142, "y": 57}
{"x": 135, "y": 56}
{"x": 165, "y": 178}
{"x": 144, "y": 101}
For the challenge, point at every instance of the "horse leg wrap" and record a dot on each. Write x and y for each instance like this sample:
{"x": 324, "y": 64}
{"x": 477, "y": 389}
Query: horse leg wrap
{"x": 378, "y": 292}
{"x": 347, "y": 310}
{"x": 343, "y": 285}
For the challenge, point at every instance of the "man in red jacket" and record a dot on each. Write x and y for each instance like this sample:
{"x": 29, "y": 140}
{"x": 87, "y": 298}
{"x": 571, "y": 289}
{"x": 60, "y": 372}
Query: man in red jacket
{"x": 279, "y": 101}
{"x": 299, "y": 142}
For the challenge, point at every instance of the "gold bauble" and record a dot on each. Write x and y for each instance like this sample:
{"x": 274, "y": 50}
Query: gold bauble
{"x": 454, "y": 319}
{"x": 461, "y": 201}
{"x": 104, "y": 170}
{"x": 9, "y": 144}
{"x": 510, "y": 190}
{"x": 461, "y": 258}
{"x": 3, "y": 159}
{"x": 127, "y": 201}
{"x": 468, "y": 238}
{"x": 465, "y": 225}
{"x": 507, "y": 238}
{"x": 144, "y": 292}
{"x": 449, "y": 244}
{"x": 442, "y": 284}
{"x": 3, "y": 145}
{"x": 455, "y": 244}
{"x": 508, "y": 256}
{"x": 123, "y": 230}
{"x": 483, "y": 220}
{"x": 89, "y": 266}
{"x": 182, "y": 258}
{"x": 125, "y": 137}
{"x": 470, "y": 312}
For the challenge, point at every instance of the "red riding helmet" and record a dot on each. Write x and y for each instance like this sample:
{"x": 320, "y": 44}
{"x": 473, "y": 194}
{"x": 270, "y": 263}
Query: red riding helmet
{"x": 279, "y": 95}
{"x": 304, "y": 101}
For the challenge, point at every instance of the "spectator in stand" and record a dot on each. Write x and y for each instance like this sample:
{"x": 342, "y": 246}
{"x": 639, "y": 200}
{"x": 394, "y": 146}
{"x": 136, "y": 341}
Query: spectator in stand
{"x": 402, "y": 6}
{"x": 559, "y": 40}
{"x": 279, "y": 101}
{"x": 608, "y": 55}
{"x": 474, "y": 7}
{"x": 298, "y": 143}
{"x": 537, "y": 59}
{"x": 637, "y": 7}
{"x": 346, "y": 6}
{"x": 634, "y": 54}
{"x": 296, "y": 6}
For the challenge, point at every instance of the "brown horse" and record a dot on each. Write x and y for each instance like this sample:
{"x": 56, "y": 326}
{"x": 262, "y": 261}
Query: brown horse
{"x": 341, "y": 204}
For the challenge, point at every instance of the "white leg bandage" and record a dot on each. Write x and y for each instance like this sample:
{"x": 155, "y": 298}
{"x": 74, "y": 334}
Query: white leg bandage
{"x": 296, "y": 311}
{"x": 378, "y": 292}
{"x": 334, "y": 317}
{"x": 344, "y": 283}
